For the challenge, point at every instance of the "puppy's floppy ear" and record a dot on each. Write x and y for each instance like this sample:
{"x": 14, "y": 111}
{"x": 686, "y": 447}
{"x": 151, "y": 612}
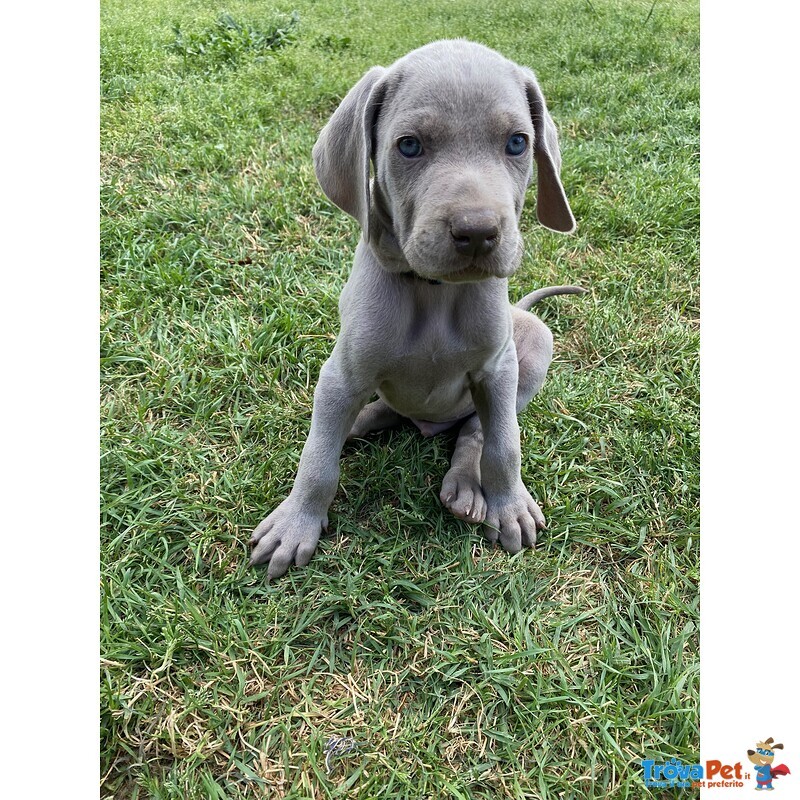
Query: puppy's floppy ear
{"x": 344, "y": 148}
{"x": 552, "y": 207}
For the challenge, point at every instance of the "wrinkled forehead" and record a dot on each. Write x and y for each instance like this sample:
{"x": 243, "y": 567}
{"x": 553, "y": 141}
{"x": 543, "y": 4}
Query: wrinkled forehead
{"x": 454, "y": 88}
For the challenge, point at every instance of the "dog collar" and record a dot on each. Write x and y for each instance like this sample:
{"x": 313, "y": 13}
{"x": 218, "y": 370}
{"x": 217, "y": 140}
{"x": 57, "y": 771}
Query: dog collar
{"x": 412, "y": 274}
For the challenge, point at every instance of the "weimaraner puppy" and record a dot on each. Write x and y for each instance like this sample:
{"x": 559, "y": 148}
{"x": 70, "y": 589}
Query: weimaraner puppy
{"x": 452, "y": 131}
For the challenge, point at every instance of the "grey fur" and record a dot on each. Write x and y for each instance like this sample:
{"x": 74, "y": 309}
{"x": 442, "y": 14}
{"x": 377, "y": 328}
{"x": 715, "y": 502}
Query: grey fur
{"x": 425, "y": 318}
{"x": 530, "y": 300}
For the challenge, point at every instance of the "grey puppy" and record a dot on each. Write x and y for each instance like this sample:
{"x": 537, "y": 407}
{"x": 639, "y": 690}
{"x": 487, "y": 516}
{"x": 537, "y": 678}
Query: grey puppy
{"x": 452, "y": 130}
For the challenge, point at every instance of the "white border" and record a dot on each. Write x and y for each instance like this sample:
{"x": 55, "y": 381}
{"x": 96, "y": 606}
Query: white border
{"x": 749, "y": 431}
{"x": 50, "y": 398}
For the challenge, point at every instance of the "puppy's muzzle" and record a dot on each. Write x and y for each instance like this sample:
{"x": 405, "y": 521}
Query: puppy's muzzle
{"x": 474, "y": 233}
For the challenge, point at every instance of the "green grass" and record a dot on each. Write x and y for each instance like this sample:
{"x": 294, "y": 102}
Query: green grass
{"x": 461, "y": 672}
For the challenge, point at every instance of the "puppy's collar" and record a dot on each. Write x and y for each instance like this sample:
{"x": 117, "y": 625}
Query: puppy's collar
{"x": 412, "y": 274}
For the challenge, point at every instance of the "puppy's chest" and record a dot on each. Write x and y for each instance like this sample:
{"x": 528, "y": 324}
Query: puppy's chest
{"x": 412, "y": 335}
{"x": 447, "y": 344}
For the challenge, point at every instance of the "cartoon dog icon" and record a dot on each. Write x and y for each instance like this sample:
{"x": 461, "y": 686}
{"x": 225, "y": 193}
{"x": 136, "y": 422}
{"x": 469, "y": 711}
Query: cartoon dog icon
{"x": 762, "y": 757}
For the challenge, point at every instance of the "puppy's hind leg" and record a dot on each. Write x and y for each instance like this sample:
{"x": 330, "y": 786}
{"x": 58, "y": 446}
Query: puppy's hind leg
{"x": 374, "y": 416}
{"x": 534, "y": 344}
{"x": 461, "y": 488}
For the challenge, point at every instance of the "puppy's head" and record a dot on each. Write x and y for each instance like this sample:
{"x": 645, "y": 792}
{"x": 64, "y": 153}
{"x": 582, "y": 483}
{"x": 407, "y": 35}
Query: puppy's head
{"x": 452, "y": 131}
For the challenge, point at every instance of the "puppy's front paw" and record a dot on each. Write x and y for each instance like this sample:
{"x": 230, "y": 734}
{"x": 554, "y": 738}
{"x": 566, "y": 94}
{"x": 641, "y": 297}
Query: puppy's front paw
{"x": 288, "y": 535}
{"x": 513, "y": 520}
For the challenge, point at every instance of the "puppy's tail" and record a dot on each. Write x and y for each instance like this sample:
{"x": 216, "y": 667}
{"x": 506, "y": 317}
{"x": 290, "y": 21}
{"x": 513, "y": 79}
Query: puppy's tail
{"x": 534, "y": 297}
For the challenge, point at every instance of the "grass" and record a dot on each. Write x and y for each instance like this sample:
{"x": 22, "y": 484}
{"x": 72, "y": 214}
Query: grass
{"x": 460, "y": 671}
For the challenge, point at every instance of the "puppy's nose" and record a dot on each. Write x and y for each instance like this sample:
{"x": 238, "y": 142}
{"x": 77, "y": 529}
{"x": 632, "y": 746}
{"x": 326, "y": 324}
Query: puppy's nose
{"x": 474, "y": 233}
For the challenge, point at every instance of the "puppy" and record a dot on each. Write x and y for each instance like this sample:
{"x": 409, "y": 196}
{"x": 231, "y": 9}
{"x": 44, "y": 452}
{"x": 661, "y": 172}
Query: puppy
{"x": 451, "y": 132}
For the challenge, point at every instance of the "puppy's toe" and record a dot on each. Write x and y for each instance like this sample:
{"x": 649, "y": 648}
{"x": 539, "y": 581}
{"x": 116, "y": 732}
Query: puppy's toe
{"x": 514, "y": 521}
{"x": 463, "y": 496}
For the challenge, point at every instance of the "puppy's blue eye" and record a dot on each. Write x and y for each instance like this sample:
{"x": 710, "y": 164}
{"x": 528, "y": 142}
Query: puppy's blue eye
{"x": 516, "y": 145}
{"x": 410, "y": 147}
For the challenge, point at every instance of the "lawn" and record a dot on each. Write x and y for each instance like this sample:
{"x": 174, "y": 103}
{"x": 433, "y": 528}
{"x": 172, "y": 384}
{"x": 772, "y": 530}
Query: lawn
{"x": 460, "y": 672}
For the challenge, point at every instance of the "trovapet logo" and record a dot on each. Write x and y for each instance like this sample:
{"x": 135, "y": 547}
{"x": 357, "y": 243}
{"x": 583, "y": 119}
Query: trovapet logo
{"x": 675, "y": 774}
{"x": 715, "y": 774}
